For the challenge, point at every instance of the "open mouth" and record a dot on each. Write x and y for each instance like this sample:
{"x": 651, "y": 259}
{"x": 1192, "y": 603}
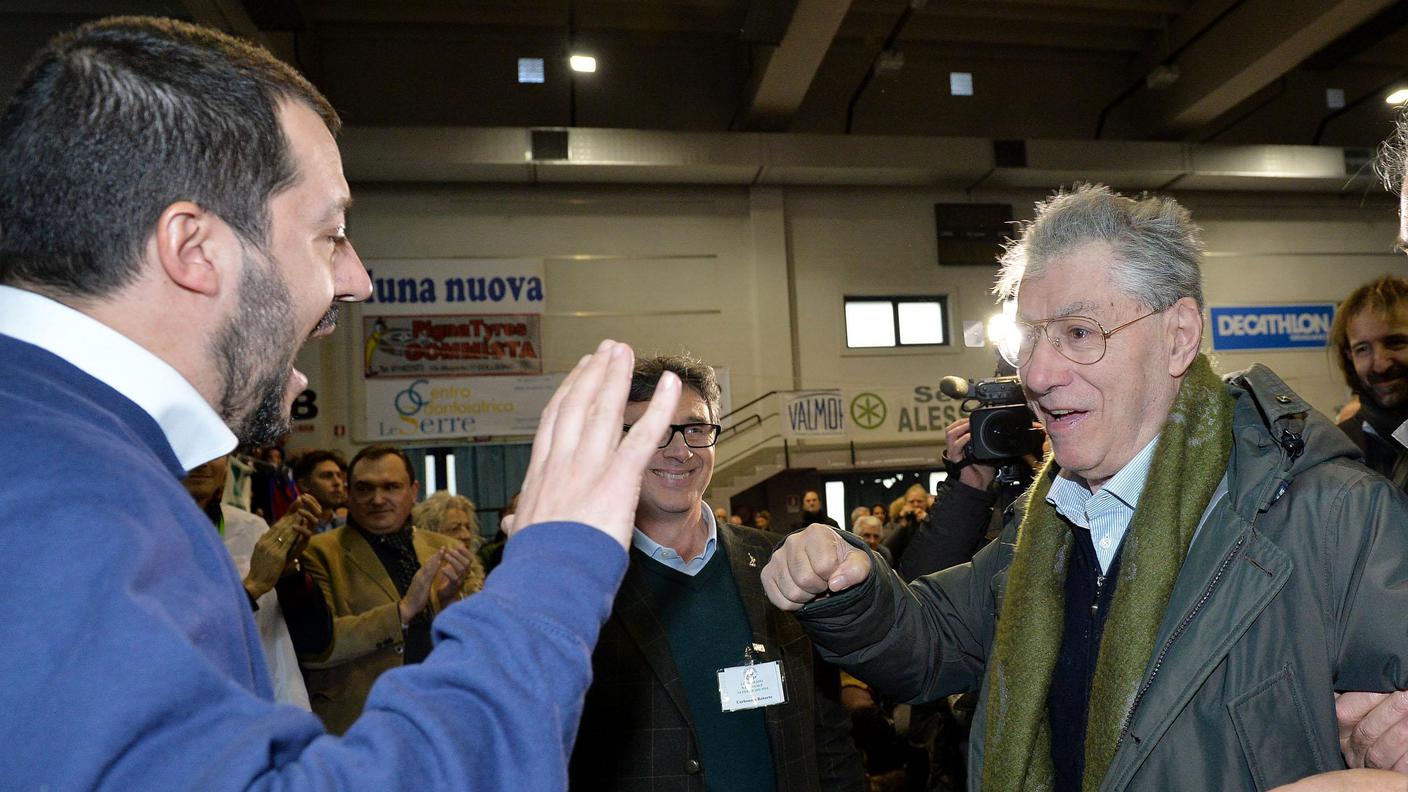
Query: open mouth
{"x": 327, "y": 324}
{"x": 1062, "y": 417}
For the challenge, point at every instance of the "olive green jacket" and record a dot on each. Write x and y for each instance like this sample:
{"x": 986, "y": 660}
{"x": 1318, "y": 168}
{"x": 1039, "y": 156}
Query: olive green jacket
{"x": 1296, "y": 586}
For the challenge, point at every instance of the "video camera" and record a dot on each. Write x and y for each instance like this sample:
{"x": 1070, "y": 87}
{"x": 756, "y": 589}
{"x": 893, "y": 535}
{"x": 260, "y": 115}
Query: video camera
{"x": 999, "y": 419}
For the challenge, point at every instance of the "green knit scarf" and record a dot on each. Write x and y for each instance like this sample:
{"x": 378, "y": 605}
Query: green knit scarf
{"x": 1188, "y": 463}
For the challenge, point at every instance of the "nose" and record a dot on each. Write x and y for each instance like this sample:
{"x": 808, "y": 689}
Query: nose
{"x": 677, "y": 450}
{"x": 350, "y": 279}
{"x": 1382, "y": 360}
{"x": 1046, "y": 369}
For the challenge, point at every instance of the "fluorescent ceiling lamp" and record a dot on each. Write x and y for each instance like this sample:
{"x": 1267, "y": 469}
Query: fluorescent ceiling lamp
{"x": 582, "y": 63}
{"x": 530, "y": 70}
{"x": 1398, "y": 97}
{"x": 960, "y": 83}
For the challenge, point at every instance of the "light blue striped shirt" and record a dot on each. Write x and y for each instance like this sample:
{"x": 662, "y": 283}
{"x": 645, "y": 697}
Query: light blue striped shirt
{"x": 1106, "y": 514}
{"x": 670, "y": 558}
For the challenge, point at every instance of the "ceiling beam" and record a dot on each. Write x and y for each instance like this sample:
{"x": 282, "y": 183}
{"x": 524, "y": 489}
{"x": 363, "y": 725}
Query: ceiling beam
{"x": 1169, "y": 7}
{"x": 1253, "y": 46}
{"x": 783, "y": 74}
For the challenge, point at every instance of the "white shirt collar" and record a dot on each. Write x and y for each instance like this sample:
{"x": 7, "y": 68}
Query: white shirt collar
{"x": 690, "y": 566}
{"x": 192, "y": 427}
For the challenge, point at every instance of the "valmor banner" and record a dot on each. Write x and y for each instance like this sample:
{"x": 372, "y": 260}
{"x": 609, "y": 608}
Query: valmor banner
{"x": 813, "y": 413}
{"x": 420, "y": 409}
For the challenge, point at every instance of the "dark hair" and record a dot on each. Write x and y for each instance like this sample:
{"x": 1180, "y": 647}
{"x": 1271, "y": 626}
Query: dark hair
{"x": 115, "y": 121}
{"x": 1384, "y": 294}
{"x": 303, "y": 467}
{"x": 692, "y": 372}
{"x": 376, "y": 452}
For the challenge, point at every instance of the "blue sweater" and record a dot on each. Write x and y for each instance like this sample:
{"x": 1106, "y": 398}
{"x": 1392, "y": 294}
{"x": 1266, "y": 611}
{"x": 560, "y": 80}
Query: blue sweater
{"x": 133, "y": 661}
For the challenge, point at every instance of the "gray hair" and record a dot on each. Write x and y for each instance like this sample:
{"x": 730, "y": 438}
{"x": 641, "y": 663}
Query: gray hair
{"x": 1157, "y": 250}
{"x": 429, "y": 514}
{"x": 869, "y": 519}
{"x": 1392, "y": 161}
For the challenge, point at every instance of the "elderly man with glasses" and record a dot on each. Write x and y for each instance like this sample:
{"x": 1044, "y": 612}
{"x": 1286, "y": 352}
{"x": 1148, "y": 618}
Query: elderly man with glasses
{"x": 1199, "y": 566}
{"x": 697, "y": 682}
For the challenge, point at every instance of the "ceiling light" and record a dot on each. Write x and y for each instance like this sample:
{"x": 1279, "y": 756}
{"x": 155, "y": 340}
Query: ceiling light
{"x": 530, "y": 70}
{"x": 582, "y": 63}
{"x": 1398, "y": 97}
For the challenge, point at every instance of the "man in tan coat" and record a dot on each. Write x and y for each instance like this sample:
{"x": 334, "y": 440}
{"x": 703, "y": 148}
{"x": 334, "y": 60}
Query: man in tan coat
{"x": 384, "y": 582}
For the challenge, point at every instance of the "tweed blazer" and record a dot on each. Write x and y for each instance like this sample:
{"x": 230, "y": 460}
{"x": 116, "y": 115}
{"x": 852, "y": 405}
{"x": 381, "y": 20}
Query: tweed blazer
{"x": 637, "y": 732}
{"x": 366, "y": 625}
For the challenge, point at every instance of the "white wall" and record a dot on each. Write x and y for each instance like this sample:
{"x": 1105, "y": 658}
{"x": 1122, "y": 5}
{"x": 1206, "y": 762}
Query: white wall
{"x": 707, "y": 270}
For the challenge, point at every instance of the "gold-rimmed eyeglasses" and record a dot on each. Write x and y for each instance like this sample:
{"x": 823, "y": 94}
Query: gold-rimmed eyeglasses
{"x": 1079, "y": 339}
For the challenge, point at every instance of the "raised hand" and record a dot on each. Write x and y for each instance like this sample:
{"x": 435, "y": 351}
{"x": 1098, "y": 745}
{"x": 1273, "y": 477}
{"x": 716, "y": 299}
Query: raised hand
{"x": 581, "y": 469}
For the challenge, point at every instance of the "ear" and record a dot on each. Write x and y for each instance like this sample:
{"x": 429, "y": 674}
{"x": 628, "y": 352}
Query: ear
{"x": 1184, "y": 336}
{"x": 191, "y": 245}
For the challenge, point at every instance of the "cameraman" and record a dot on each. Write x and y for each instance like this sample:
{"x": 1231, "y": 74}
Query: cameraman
{"x": 963, "y": 513}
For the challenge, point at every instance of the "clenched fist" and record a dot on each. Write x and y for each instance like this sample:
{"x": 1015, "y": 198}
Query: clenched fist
{"x": 812, "y": 562}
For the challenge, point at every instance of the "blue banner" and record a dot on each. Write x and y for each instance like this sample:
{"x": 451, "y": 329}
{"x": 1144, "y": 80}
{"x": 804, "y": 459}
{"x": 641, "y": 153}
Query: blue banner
{"x": 1299, "y": 326}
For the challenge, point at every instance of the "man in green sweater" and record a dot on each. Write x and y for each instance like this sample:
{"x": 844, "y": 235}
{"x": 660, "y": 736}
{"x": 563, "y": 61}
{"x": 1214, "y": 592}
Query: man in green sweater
{"x": 698, "y": 683}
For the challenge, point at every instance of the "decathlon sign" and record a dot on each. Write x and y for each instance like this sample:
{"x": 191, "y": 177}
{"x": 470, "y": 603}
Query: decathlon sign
{"x": 1300, "y": 326}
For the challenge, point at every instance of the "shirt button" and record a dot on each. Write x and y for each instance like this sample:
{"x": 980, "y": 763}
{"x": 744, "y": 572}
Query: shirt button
{"x": 1105, "y": 543}
{"x": 691, "y": 766}
{"x": 400, "y": 648}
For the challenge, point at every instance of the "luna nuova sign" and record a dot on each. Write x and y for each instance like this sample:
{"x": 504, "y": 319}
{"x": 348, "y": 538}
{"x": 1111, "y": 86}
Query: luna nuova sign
{"x": 453, "y": 318}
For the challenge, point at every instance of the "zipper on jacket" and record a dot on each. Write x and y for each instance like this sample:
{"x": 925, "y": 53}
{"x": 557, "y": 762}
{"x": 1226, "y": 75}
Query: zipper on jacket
{"x": 1173, "y": 638}
{"x": 1287, "y": 460}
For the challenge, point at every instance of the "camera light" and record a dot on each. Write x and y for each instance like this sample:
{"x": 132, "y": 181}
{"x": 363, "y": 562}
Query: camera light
{"x": 1000, "y": 326}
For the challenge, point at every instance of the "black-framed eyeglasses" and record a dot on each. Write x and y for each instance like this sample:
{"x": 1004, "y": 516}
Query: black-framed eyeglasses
{"x": 1079, "y": 339}
{"x": 696, "y": 435}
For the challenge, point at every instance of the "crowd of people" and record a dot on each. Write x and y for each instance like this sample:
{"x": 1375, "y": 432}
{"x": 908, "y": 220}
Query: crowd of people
{"x": 1199, "y": 587}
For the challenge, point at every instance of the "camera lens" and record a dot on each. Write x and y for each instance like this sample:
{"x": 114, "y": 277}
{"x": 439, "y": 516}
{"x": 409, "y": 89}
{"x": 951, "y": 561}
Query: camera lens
{"x": 1001, "y": 432}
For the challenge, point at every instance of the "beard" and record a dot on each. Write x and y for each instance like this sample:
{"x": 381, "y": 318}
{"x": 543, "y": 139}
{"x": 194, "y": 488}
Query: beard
{"x": 1396, "y": 396}
{"x": 255, "y": 353}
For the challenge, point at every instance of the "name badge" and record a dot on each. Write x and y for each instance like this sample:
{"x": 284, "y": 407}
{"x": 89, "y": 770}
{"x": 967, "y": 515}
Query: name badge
{"x": 751, "y": 686}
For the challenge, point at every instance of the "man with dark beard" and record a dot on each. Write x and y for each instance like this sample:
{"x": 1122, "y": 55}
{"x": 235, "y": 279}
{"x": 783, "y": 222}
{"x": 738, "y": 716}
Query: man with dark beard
{"x": 173, "y": 208}
{"x": 1370, "y": 339}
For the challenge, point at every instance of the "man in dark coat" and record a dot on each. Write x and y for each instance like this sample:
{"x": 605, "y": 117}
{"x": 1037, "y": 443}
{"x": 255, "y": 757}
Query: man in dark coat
{"x": 691, "y": 612}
